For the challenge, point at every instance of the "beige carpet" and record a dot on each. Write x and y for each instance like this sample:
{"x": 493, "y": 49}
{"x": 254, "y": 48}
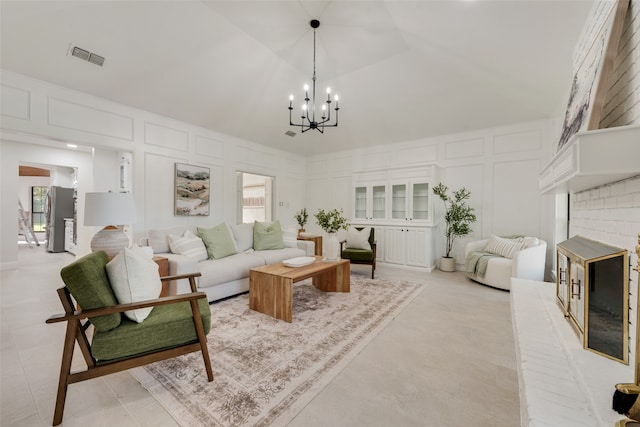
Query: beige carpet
{"x": 267, "y": 370}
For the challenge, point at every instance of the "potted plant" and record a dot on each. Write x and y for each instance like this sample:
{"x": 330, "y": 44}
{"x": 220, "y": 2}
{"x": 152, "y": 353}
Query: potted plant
{"x": 458, "y": 217}
{"x": 331, "y": 222}
{"x": 301, "y": 218}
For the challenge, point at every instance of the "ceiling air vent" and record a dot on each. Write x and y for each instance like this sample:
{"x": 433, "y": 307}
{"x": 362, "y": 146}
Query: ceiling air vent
{"x": 80, "y": 53}
{"x": 87, "y": 56}
{"x": 96, "y": 59}
{"x": 290, "y": 133}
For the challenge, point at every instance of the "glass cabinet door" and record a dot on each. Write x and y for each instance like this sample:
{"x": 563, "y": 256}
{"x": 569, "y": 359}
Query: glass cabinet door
{"x": 379, "y": 200}
{"x": 420, "y": 201}
{"x": 360, "y": 203}
{"x": 399, "y": 201}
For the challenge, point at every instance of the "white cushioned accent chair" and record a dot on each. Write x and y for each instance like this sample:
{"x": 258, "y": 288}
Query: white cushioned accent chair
{"x": 524, "y": 259}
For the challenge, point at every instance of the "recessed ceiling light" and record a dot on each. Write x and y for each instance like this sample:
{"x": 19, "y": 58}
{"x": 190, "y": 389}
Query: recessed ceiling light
{"x": 72, "y": 146}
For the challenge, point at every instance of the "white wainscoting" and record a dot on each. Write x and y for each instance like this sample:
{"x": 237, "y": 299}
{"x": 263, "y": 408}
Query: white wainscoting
{"x": 166, "y": 137}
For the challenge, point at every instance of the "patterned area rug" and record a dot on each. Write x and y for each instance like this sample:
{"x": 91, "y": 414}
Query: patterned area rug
{"x": 267, "y": 370}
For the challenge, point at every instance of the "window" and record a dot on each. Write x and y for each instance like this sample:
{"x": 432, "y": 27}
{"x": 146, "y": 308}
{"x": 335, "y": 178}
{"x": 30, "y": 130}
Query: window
{"x": 38, "y": 204}
{"x": 255, "y": 197}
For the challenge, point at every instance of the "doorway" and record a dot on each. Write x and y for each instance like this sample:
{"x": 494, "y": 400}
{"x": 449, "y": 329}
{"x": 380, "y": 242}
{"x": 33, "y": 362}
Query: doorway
{"x": 254, "y": 197}
{"x": 35, "y": 183}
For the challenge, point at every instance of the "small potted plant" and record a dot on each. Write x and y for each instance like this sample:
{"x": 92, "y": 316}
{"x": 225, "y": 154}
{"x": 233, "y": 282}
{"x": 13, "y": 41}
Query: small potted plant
{"x": 301, "y": 218}
{"x": 331, "y": 222}
{"x": 458, "y": 217}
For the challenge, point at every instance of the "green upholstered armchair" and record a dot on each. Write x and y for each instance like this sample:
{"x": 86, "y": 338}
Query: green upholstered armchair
{"x": 177, "y": 325}
{"x": 361, "y": 256}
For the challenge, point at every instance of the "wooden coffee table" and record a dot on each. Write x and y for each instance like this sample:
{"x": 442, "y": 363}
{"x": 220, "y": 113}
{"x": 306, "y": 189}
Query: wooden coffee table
{"x": 271, "y": 286}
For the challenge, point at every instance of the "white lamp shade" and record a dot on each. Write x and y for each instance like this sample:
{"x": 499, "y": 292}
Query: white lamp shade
{"x": 109, "y": 209}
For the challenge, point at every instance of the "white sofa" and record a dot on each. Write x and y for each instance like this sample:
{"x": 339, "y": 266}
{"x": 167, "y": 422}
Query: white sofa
{"x": 526, "y": 263}
{"x": 226, "y": 276}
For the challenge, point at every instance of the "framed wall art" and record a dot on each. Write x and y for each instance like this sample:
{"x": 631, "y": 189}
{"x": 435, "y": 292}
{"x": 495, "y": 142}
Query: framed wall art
{"x": 594, "y": 58}
{"x": 192, "y": 185}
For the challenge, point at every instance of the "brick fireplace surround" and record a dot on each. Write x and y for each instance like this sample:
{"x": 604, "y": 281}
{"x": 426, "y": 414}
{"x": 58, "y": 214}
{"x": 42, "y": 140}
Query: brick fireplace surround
{"x": 561, "y": 384}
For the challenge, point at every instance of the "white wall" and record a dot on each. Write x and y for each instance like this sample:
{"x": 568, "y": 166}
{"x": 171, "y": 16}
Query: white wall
{"x": 500, "y": 166}
{"x": 38, "y": 119}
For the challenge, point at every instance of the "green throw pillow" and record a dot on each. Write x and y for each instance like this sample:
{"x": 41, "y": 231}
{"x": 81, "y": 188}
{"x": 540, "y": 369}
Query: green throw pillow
{"x": 218, "y": 240}
{"x": 267, "y": 236}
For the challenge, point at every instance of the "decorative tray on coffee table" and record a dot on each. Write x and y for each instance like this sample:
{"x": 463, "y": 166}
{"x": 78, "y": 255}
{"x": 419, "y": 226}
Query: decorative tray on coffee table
{"x": 300, "y": 261}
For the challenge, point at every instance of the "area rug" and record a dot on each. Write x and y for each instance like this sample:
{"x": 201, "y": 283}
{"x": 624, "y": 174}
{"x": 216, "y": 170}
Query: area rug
{"x": 266, "y": 370}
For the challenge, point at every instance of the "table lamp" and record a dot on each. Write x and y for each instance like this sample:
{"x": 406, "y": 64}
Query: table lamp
{"x": 110, "y": 210}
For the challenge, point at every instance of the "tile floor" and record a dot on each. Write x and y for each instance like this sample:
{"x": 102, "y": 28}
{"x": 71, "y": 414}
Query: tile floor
{"x": 448, "y": 359}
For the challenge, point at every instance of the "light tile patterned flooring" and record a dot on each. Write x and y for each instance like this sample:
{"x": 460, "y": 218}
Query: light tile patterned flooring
{"x": 448, "y": 359}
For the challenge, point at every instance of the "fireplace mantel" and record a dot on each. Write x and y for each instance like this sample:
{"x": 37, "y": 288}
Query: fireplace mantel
{"x": 593, "y": 158}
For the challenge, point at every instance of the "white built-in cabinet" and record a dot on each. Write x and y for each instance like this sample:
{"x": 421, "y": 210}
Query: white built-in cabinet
{"x": 410, "y": 201}
{"x": 399, "y": 205}
{"x": 370, "y": 201}
{"x": 408, "y": 246}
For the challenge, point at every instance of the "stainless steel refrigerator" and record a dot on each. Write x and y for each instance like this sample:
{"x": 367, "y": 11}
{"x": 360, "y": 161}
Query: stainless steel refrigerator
{"x": 61, "y": 205}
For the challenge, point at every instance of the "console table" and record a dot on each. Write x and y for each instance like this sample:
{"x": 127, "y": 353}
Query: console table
{"x": 317, "y": 240}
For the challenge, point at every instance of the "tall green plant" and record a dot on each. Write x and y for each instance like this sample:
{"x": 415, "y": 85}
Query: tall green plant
{"x": 458, "y": 216}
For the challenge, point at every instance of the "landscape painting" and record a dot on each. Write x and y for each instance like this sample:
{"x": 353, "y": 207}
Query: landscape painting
{"x": 595, "y": 67}
{"x": 192, "y": 190}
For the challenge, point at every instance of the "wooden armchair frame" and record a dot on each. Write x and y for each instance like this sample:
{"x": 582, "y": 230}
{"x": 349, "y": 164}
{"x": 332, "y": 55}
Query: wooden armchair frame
{"x": 78, "y": 321}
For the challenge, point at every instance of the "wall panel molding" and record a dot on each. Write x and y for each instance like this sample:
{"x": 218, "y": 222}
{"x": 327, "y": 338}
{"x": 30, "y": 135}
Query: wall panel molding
{"x": 464, "y": 149}
{"x": 15, "y": 102}
{"x": 517, "y": 142}
{"x": 165, "y": 136}
{"x": 516, "y": 212}
{"x": 316, "y": 168}
{"x": 373, "y": 160}
{"x": 83, "y": 118}
{"x": 209, "y": 147}
{"x": 251, "y": 159}
{"x": 415, "y": 155}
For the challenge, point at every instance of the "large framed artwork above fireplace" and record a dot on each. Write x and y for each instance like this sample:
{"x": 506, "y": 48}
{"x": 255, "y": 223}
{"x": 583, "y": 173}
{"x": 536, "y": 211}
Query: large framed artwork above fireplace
{"x": 592, "y": 289}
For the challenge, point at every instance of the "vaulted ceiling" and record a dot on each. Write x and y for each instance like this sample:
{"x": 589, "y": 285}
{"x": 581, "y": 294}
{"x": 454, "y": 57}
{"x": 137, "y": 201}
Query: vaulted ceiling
{"x": 404, "y": 70}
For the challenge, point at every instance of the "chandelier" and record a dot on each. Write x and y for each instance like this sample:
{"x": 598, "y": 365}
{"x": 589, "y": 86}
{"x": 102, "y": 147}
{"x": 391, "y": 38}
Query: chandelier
{"x": 308, "y": 118}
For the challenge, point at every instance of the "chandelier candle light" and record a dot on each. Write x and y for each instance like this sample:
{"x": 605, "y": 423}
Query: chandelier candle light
{"x": 309, "y": 111}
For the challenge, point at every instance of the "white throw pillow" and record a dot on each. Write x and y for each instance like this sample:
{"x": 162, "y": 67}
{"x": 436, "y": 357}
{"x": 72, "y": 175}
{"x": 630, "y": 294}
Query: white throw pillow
{"x": 189, "y": 245}
{"x": 530, "y": 242}
{"x": 134, "y": 277}
{"x": 358, "y": 239}
{"x": 243, "y": 236}
{"x": 290, "y": 238}
{"x": 159, "y": 238}
{"x": 504, "y": 247}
